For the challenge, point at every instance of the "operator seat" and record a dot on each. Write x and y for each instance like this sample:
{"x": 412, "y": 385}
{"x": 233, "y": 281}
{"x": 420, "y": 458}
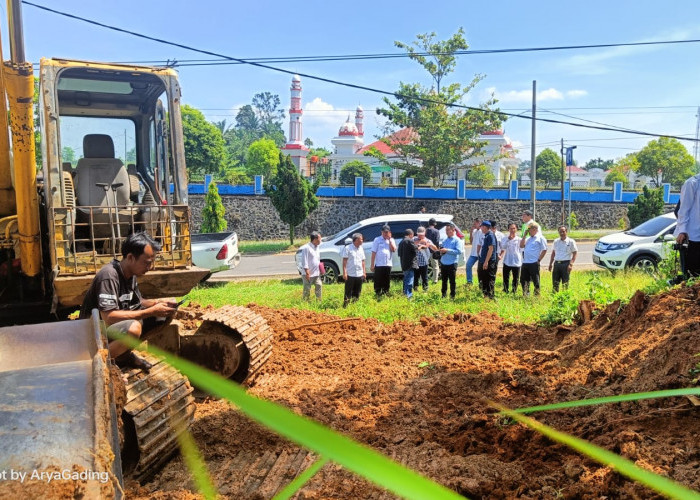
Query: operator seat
{"x": 99, "y": 165}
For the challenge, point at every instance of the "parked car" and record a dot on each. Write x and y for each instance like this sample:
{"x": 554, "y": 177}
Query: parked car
{"x": 332, "y": 246}
{"x": 215, "y": 251}
{"x": 641, "y": 247}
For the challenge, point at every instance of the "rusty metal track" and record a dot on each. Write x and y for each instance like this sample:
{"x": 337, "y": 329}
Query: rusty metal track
{"x": 160, "y": 404}
{"x": 253, "y": 330}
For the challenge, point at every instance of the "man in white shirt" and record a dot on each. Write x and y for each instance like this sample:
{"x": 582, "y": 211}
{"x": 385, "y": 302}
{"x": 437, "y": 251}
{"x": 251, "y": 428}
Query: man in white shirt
{"x": 383, "y": 248}
{"x": 687, "y": 230}
{"x": 499, "y": 236}
{"x": 512, "y": 257}
{"x": 310, "y": 262}
{"x": 534, "y": 249}
{"x": 564, "y": 252}
{"x": 353, "y": 268}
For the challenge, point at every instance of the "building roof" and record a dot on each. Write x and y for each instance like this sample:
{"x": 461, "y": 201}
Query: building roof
{"x": 402, "y": 136}
{"x": 576, "y": 170}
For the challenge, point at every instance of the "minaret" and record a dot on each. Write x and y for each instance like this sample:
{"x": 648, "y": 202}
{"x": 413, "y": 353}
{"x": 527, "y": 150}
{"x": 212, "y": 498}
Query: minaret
{"x": 295, "y": 144}
{"x": 359, "y": 115}
{"x": 295, "y": 112}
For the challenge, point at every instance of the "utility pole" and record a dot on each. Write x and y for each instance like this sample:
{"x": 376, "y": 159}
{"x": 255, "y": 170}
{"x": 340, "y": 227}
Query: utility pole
{"x": 562, "y": 180}
{"x": 533, "y": 156}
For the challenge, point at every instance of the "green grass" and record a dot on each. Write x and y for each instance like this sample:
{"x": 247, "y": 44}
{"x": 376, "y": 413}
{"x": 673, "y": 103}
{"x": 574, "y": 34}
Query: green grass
{"x": 600, "y": 286}
{"x": 268, "y": 246}
{"x": 580, "y": 234}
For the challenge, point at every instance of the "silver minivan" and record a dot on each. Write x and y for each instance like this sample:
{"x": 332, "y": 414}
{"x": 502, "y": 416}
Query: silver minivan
{"x": 332, "y": 246}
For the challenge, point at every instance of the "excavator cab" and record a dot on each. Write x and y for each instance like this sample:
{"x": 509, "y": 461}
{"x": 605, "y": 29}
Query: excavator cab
{"x": 113, "y": 163}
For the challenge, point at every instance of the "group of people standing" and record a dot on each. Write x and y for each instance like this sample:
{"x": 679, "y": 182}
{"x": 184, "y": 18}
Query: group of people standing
{"x": 521, "y": 251}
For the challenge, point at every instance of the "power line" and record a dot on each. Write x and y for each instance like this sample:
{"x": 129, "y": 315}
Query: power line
{"x": 362, "y": 87}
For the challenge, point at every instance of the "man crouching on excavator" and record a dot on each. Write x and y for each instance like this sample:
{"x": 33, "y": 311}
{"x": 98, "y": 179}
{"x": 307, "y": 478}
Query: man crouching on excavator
{"x": 115, "y": 293}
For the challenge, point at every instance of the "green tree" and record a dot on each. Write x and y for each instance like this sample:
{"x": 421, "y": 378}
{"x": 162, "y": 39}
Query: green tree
{"x": 68, "y": 155}
{"x": 213, "y": 213}
{"x": 237, "y": 175}
{"x": 666, "y": 160}
{"x": 616, "y": 175}
{"x": 548, "y": 166}
{"x": 352, "y": 169}
{"x": 246, "y": 118}
{"x": 481, "y": 175}
{"x": 647, "y": 205}
{"x": 270, "y": 116}
{"x": 291, "y": 195}
{"x": 598, "y": 163}
{"x": 204, "y": 144}
{"x": 418, "y": 174}
{"x": 263, "y": 158}
{"x": 308, "y": 142}
{"x": 439, "y": 136}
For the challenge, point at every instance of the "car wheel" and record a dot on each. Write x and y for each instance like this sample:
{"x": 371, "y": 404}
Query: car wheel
{"x": 331, "y": 275}
{"x": 645, "y": 263}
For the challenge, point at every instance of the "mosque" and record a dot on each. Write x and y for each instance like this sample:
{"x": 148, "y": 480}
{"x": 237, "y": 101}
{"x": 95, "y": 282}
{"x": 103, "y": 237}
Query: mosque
{"x": 349, "y": 145}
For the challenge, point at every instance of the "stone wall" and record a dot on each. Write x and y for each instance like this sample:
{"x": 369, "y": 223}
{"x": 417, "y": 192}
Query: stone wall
{"x": 254, "y": 217}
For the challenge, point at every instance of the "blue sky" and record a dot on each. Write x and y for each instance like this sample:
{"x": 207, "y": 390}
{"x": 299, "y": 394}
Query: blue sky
{"x": 654, "y": 89}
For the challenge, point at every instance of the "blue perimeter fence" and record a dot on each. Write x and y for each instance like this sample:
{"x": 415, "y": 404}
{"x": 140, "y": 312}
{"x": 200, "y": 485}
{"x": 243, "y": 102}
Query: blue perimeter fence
{"x": 459, "y": 192}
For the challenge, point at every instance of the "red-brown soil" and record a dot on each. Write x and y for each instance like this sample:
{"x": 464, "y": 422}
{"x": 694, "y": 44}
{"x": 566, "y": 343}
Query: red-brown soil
{"x": 363, "y": 378}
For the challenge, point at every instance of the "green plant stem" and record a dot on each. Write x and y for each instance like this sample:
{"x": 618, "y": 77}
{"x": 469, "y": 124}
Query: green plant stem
{"x": 301, "y": 479}
{"x": 656, "y": 482}
{"x": 687, "y": 391}
{"x": 195, "y": 463}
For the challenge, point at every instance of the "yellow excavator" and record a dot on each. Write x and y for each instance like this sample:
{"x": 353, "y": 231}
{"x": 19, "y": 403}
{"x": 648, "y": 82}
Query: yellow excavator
{"x": 63, "y": 222}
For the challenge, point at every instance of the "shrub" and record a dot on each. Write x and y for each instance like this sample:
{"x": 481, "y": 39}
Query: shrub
{"x": 213, "y": 213}
{"x": 649, "y": 204}
{"x": 355, "y": 168}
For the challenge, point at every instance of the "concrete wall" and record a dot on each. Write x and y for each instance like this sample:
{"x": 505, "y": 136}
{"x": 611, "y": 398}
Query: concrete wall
{"x": 254, "y": 217}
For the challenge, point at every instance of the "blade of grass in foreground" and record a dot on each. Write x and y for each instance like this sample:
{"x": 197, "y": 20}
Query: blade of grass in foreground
{"x": 195, "y": 463}
{"x": 686, "y": 391}
{"x": 304, "y": 431}
{"x": 656, "y": 482}
{"x": 301, "y": 480}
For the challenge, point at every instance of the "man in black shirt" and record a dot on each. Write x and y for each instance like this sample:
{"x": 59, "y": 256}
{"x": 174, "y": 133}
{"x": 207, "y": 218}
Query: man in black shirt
{"x": 115, "y": 293}
{"x": 433, "y": 235}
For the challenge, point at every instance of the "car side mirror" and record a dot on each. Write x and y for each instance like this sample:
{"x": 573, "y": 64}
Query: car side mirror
{"x": 348, "y": 241}
{"x": 669, "y": 237}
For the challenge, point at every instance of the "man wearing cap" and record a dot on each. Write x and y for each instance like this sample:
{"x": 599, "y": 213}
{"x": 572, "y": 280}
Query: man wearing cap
{"x": 563, "y": 257}
{"x": 488, "y": 261}
{"x": 383, "y": 248}
{"x": 527, "y": 219}
{"x": 451, "y": 250}
{"x": 534, "y": 249}
{"x": 433, "y": 235}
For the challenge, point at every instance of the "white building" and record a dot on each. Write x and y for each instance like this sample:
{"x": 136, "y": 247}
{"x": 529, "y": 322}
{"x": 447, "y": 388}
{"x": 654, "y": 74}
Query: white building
{"x": 498, "y": 153}
{"x": 348, "y": 143}
{"x": 295, "y": 144}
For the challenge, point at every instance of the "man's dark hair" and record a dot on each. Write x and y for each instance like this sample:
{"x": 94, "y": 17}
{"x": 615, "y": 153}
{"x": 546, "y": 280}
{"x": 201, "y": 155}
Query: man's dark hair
{"x": 136, "y": 244}
{"x": 409, "y": 232}
{"x": 432, "y": 221}
{"x": 386, "y": 227}
{"x": 314, "y": 235}
{"x": 494, "y": 223}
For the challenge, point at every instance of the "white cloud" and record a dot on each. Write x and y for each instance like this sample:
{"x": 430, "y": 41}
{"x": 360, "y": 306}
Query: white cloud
{"x": 318, "y": 112}
{"x": 574, "y": 94}
{"x": 525, "y": 96}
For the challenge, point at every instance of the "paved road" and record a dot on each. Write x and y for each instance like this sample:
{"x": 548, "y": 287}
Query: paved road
{"x": 282, "y": 264}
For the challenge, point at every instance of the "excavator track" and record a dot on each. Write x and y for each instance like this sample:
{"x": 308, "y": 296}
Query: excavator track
{"x": 231, "y": 340}
{"x": 159, "y": 405}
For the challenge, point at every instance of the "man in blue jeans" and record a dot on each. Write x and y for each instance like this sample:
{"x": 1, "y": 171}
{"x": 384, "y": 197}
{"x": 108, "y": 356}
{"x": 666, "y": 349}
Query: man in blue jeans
{"x": 451, "y": 250}
{"x": 476, "y": 237}
{"x": 409, "y": 262}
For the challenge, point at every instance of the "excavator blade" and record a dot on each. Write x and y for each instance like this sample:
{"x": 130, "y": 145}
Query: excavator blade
{"x": 56, "y": 409}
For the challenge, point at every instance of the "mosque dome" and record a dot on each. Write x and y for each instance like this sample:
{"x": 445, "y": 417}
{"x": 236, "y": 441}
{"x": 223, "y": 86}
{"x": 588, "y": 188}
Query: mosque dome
{"x": 348, "y": 128}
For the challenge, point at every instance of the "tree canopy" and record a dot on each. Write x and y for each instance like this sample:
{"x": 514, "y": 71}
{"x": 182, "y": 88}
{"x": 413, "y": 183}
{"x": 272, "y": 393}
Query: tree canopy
{"x": 666, "y": 160}
{"x": 647, "y": 205}
{"x": 481, "y": 175}
{"x": 263, "y": 158}
{"x": 441, "y": 137}
{"x": 598, "y": 163}
{"x": 213, "y": 213}
{"x": 548, "y": 166}
{"x": 204, "y": 144}
{"x": 352, "y": 169}
{"x": 292, "y": 196}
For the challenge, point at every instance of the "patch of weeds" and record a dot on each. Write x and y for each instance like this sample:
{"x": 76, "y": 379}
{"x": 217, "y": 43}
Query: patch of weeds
{"x": 694, "y": 371}
{"x": 504, "y": 421}
{"x": 598, "y": 291}
{"x": 562, "y": 310}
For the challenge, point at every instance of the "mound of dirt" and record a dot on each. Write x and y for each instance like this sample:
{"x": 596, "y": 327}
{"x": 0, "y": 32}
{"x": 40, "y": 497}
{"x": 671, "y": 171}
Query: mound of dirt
{"x": 419, "y": 393}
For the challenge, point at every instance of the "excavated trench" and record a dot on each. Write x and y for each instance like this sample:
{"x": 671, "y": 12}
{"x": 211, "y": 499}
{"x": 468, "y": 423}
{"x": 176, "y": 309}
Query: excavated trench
{"x": 419, "y": 393}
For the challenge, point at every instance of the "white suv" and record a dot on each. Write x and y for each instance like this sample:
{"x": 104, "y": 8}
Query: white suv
{"x": 641, "y": 247}
{"x": 332, "y": 246}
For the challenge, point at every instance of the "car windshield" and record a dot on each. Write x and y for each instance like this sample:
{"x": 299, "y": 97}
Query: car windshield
{"x": 651, "y": 227}
{"x": 343, "y": 232}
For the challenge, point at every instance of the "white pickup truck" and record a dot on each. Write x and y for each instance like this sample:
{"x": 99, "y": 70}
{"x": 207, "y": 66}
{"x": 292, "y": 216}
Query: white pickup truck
{"x": 215, "y": 251}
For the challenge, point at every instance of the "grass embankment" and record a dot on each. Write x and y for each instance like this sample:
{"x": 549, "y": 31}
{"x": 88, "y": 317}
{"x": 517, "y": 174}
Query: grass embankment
{"x": 269, "y": 246}
{"x": 602, "y": 287}
{"x": 579, "y": 234}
